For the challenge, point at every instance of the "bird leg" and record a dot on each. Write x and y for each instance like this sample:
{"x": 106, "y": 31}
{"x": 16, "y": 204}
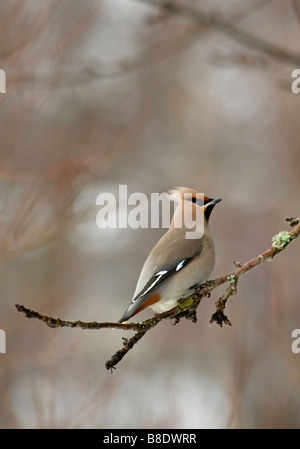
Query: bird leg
{"x": 189, "y": 314}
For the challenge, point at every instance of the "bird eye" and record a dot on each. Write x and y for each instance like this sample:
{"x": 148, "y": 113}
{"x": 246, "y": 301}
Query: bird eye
{"x": 197, "y": 201}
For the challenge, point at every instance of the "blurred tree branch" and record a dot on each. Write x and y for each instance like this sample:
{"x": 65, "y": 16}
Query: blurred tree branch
{"x": 186, "y": 307}
{"x": 216, "y": 22}
{"x": 199, "y": 23}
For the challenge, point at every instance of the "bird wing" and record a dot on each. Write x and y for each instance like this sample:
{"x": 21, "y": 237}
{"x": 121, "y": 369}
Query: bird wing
{"x": 161, "y": 275}
{"x": 157, "y": 269}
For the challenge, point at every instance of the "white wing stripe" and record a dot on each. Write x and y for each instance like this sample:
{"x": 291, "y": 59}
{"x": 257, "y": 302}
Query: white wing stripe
{"x": 179, "y": 266}
{"x": 158, "y": 276}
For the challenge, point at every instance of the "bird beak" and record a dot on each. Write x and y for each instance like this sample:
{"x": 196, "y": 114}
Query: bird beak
{"x": 213, "y": 202}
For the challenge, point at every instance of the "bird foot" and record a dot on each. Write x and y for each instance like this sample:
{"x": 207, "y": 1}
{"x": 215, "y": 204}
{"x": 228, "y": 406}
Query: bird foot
{"x": 187, "y": 314}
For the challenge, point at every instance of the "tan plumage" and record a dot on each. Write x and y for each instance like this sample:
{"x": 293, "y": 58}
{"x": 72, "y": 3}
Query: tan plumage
{"x": 176, "y": 263}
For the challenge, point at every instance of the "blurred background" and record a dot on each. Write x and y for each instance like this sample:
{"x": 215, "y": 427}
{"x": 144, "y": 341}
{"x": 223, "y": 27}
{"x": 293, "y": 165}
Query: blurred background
{"x": 104, "y": 93}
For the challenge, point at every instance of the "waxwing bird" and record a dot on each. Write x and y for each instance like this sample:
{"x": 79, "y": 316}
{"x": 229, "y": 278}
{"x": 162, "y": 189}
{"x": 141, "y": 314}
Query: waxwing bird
{"x": 180, "y": 260}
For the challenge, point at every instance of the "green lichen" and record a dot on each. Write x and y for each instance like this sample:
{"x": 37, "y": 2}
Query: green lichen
{"x": 281, "y": 239}
{"x": 185, "y": 303}
{"x": 232, "y": 278}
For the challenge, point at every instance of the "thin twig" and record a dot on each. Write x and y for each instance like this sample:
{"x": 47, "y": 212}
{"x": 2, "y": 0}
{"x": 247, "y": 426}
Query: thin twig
{"x": 186, "y": 307}
{"x": 57, "y": 322}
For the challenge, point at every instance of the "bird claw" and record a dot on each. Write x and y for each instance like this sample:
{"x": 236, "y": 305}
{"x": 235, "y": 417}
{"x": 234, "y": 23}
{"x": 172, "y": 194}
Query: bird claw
{"x": 187, "y": 314}
{"x": 177, "y": 319}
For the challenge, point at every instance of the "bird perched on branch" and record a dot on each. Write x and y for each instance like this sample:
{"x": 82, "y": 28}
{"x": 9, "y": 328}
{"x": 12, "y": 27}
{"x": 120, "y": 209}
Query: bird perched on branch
{"x": 183, "y": 257}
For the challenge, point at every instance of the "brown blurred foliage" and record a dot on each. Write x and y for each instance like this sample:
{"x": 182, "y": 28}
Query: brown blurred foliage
{"x": 105, "y": 93}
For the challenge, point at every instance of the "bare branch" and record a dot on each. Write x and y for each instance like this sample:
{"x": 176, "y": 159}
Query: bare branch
{"x": 186, "y": 307}
{"x": 57, "y": 322}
